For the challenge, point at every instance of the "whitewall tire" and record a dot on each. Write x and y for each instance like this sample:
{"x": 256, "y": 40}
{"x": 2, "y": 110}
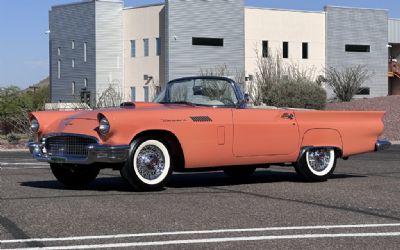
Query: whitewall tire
{"x": 149, "y": 166}
{"x": 317, "y": 164}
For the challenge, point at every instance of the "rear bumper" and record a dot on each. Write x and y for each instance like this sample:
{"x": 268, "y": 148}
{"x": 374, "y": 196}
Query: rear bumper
{"x": 96, "y": 153}
{"x": 382, "y": 145}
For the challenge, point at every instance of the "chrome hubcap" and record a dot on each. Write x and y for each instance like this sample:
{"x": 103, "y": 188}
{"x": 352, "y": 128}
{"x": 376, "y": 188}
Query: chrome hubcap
{"x": 150, "y": 162}
{"x": 319, "y": 159}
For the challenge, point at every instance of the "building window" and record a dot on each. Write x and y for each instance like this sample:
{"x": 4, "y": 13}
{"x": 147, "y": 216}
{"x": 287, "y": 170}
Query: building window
{"x": 363, "y": 91}
{"x": 85, "y": 52}
{"x": 265, "y": 49}
{"x": 285, "y": 50}
{"x": 146, "y": 93}
{"x": 146, "y": 47}
{"x": 357, "y": 48}
{"x": 73, "y": 63}
{"x": 305, "y": 50}
{"x": 133, "y": 48}
{"x": 59, "y": 51}
{"x": 73, "y": 44}
{"x": 59, "y": 69}
{"x": 158, "y": 46}
{"x": 133, "y": 94}
{"x": 203, "y": 41}
{"x": 85, "y": 82}
{"x": 73, "y": 88}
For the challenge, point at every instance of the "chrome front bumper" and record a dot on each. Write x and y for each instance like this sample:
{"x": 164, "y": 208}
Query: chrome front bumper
{"x": 96, "y": 153}
{"x": 382, "y": 145}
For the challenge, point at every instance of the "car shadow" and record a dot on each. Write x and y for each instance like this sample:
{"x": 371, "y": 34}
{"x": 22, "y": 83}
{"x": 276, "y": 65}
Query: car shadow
{"x": 186, "y": 180}
{"x": 218, "y": 179}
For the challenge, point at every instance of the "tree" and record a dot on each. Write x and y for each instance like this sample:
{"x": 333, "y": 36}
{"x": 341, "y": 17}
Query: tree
{"x": 110, "y": 97}
{"x": 346, "y": 82}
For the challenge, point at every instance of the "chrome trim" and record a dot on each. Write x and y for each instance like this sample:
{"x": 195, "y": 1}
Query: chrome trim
{"x": 382, "y": 145}
{"x": 96, "y": 152}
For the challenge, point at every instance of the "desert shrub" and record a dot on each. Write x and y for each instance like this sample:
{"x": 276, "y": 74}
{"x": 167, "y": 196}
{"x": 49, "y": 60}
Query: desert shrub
{"x": 297, "y": 94}
{"x": 13, "y": 138}
{"x": 346, "y": 82}
{"x": 285, "y": 84}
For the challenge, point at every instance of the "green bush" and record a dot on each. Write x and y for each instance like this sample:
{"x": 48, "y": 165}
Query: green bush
{"x": 13, "y": 138}
{"x": 297, "y": 94}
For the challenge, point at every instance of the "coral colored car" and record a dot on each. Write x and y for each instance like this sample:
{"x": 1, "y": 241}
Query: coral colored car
{"x": 199, "y": 123}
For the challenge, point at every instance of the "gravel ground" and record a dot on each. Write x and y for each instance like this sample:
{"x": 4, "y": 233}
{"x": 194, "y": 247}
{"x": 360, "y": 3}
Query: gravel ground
{"x": 390, "y": 104}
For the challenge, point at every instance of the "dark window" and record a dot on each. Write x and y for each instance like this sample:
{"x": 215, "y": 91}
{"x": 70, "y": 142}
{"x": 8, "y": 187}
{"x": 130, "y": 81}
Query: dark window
{"x": 265, "y": 49}
{"x": 146, "y": 47}
{"x": 357, "y": 48}
{"x": 146, "y": 93}
{"x": 133, "y": 48}
{"x": 285, "y": 50}
{"x": 158, "y": 46}
{"x": 133, "y": 94}
{"x": 202, "y": 41}
{"x": 363, "y": 91}
{"x": 305, "y": 50}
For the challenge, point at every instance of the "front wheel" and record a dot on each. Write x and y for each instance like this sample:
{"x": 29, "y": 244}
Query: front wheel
{"x": 74, "y": 176}
{"x": 317, "y": 164}
{"x": 149, "y": 166}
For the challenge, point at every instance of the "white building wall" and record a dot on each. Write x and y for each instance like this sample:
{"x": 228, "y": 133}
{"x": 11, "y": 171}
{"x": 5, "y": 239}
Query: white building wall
{"x": 278, "y": 26}
{"x": 138, "y": 24}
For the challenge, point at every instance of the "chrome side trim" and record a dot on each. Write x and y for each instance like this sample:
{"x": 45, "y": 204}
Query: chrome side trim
{"x": 382, "y": 145}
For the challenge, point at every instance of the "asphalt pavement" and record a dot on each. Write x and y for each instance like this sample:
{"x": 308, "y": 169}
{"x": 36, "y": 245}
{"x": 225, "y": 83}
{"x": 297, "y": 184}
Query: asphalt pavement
{"x": 359, "y": 208}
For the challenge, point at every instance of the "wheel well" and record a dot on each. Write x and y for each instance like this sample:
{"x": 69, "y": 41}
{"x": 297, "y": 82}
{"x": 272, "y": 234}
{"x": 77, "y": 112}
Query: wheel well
{"x": 338, "y": 151}
{"x": 173, "y": 145}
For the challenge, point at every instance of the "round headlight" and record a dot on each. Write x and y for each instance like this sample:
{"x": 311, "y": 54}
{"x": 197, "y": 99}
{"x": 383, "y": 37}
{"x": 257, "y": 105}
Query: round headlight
{"x": 34, "y": 125}
{"x": 104, "y": 126}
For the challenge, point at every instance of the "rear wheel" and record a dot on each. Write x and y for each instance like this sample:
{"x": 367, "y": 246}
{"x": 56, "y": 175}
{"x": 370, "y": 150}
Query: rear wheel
{"x": 239, "y": 171}
{"x": 74, "y": 176}
{"x": 317, "y": 164}
{"x": 149, "y": 166}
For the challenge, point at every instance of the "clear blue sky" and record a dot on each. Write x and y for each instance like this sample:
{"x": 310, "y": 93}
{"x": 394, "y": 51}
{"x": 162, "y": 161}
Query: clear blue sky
{"x": 24, "y": 44}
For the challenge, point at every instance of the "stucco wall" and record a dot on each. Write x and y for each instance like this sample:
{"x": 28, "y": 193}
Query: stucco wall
{"x": 139, "y": 24}
{"x": 277, "y": 26}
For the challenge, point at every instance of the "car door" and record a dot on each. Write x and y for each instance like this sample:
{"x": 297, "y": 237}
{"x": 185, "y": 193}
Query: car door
{"x": 263, "y": 132}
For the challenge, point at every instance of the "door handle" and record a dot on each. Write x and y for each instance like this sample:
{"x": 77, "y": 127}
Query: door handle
{"x": 288, "y": 116}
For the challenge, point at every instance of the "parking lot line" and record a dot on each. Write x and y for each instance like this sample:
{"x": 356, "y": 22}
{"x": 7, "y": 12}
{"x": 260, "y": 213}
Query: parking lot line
{"x": 217, "y": 240}
{"x": 214, "y": 231}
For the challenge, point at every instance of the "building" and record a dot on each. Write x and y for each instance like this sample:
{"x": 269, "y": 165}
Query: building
{"x": 98, "y": 43}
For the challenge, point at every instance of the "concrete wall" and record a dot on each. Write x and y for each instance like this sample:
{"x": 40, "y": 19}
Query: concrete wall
{"x": 359, "y": 27}
{"x": 67, "y": 23}
{"x": 109, "y": 46}
{"x": 277, "y": 26}
{"x": 209, "y": 19}
{"x": 138, "y": 24}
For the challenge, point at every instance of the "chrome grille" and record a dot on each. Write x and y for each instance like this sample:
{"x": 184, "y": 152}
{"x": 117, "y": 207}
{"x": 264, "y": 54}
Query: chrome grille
{"x": 69, "y": 146}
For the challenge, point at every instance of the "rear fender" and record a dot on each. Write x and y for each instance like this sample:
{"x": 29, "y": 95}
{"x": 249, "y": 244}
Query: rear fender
{"x": 322, "y": 138}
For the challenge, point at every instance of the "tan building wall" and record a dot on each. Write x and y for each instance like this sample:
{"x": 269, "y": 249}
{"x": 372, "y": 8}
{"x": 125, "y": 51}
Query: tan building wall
{"x": 277, "y": 26}
{"x": 138, "y": 24}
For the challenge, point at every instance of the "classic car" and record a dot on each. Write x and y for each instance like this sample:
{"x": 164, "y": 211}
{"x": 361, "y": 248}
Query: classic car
{"x": 198, "y": 123}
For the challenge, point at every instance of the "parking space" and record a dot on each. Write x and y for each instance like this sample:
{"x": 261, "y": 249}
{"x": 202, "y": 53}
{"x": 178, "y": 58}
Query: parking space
{"x": 357, "y": 208}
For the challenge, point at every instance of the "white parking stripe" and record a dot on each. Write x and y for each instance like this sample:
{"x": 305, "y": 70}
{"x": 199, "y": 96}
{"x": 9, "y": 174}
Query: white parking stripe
{"x": 217, "y": 240}
{"x": 242, "y": 230}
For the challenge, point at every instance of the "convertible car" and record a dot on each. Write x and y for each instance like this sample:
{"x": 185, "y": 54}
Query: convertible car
{"x": 198, "y": 123}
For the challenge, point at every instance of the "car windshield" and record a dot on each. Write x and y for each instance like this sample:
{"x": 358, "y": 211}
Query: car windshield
{"x": 204, "y": 92}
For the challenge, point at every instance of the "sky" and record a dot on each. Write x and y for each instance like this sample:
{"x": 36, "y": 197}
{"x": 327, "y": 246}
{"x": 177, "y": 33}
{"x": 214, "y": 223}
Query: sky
{"x": 24, "y": 43}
